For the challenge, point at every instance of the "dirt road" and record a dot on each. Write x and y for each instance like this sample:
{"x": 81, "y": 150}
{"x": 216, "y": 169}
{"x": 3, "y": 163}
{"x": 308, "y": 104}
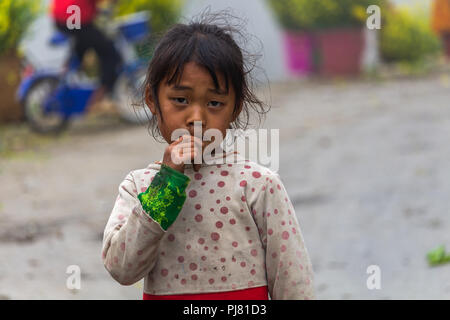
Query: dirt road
{"x": 366, "y": 164}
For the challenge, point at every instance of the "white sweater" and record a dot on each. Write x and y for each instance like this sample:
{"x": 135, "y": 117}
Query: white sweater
{"x": 237, "y": 230}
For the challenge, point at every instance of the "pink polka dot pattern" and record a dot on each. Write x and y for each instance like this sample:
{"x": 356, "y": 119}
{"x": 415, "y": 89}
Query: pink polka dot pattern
{"x": 192, "y": 193}
{"x": 236, "y": 219}
{"x": 215, "y": 236}
{"x": 256, "y": 174}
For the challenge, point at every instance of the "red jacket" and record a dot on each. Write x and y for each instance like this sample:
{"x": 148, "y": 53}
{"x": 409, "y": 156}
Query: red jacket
{"x": 88, "y": 10}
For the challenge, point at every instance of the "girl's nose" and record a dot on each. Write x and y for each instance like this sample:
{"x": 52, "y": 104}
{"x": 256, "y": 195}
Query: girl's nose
{"x": 196, "y": 118}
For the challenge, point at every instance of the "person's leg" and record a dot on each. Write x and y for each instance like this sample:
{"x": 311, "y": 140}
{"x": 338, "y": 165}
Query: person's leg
{"x": 109, "y": 58}
{"x": 78, "y": 36}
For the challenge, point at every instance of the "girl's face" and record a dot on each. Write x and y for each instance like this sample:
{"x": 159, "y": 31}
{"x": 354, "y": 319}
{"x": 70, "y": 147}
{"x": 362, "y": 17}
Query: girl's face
{"x": 194, "y": 99}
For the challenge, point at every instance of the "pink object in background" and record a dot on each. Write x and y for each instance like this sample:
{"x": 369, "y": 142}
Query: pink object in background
{"x": 446, "y": 44}
{"x": 340, "y": 51}
{"x": 298, "y": 48}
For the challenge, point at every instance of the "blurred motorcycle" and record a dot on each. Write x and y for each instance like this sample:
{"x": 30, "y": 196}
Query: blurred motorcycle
{"x": 51, "y": 99}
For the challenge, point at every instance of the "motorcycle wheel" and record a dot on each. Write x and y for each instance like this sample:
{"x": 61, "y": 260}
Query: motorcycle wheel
{"x": 33, "y": 106}
{"x": 128, "y": 97}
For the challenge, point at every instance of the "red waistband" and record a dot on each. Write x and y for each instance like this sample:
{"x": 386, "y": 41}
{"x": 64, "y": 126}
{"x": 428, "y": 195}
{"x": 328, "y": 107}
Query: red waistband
{"x": 259, "y": 293}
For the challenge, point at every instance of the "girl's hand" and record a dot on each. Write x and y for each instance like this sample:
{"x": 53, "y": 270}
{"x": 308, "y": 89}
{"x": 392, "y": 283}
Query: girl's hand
{"x": 182, "y": 151}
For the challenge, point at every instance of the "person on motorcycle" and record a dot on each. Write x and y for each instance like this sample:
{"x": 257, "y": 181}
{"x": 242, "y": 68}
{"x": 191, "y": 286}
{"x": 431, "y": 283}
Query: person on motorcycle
{"x": 88, "y": 36}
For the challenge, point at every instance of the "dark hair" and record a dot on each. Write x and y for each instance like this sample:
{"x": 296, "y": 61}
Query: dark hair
{"x": 208, "y": 41}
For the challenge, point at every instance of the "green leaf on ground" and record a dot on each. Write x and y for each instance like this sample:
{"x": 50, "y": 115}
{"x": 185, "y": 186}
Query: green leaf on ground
{"x": 438, "y": 256}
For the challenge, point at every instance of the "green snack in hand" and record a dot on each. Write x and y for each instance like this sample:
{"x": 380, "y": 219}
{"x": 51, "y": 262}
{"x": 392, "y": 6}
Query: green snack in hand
{"x": 165, "y": 196}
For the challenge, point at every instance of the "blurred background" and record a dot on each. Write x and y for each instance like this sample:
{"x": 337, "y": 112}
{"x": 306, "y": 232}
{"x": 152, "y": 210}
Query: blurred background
{"x": 364, "y": 119}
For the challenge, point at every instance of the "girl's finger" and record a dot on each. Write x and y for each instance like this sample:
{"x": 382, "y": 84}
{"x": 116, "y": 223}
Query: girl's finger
{"x": 177, "y": 141}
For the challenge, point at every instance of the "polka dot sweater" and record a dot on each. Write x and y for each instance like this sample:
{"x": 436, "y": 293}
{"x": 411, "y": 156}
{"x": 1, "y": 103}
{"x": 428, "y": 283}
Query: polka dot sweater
{"x": 236, "y": 230}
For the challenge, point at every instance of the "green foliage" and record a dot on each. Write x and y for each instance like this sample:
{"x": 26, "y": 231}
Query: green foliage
{"x": 164, "y": 13}
{"x": 438, "y": 256}
{"x": 15, "y": 17}
{"x": 407, "y": 36}
{"x": 319, "y": 14}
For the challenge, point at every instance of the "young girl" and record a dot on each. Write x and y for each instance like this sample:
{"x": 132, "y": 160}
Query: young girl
{"x": 202, "y": 230}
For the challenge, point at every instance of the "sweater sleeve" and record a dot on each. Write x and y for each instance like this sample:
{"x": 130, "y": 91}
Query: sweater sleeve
{"x": 132, "y": 234}
{"x": 288, "y": 267}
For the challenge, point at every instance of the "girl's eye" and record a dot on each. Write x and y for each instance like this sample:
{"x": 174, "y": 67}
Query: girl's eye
{"x": 217, "y": 103}
{"x": 184, "y": 101}
{"x": 179, "y": 100}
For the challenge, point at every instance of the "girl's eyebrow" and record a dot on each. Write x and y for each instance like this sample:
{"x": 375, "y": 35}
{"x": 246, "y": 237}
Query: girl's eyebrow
{"x": 216, "y": 91}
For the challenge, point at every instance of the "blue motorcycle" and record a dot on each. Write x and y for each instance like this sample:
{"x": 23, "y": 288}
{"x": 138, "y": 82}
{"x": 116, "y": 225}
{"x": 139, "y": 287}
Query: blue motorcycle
{"x": 52, "y": 98}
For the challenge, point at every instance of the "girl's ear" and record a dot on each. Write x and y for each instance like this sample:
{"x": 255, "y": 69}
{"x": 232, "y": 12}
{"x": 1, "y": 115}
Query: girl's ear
{"x": 149, "y": 101}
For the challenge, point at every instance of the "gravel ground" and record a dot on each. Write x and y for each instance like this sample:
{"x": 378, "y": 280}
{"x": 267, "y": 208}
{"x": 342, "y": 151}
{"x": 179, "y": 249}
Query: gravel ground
{"x": 365, "y": 163}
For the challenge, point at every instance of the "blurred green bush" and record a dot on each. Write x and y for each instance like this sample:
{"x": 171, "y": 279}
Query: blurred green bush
{"x": 164, "y": 13}
{"x": 15, "y": 17}
{"x": 321, "y": 14}
{"x": 407, "y": 36}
